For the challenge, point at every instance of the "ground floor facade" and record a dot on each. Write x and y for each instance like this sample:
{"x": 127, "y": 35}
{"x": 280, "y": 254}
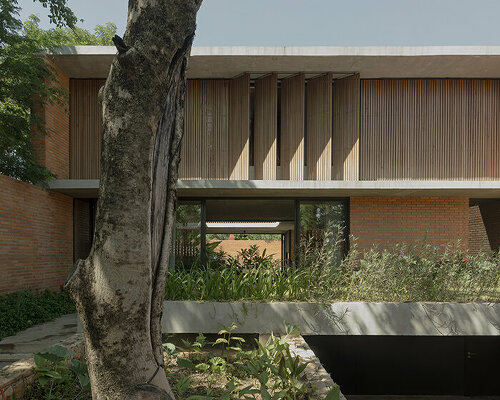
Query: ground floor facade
{"x": 42, "y": 232}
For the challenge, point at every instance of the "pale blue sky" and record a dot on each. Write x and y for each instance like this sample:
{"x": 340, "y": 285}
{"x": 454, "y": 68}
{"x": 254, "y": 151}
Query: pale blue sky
{"x": 319, "y": 22}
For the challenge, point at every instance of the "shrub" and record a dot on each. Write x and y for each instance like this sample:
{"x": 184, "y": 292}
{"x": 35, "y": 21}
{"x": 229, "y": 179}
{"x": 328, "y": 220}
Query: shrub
{"x": 22, "y": 309}
{"x": 418, "y": 272}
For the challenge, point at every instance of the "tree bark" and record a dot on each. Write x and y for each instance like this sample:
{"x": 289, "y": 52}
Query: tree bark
{"x": 119, "y": 288}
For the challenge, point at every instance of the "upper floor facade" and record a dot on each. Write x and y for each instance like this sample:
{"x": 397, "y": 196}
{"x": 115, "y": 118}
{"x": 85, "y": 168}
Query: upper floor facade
{"x": 315, "y": 114}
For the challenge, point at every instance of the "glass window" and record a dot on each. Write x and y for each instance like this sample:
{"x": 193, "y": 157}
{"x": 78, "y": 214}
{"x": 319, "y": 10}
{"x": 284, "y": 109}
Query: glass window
{"x": 323, "y": 234}
{"x": 188, "y": 234}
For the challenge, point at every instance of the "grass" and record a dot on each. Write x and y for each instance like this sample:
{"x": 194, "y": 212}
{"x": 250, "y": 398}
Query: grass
{"x": 403, "y": 274}
{"x": 22, "y": 309}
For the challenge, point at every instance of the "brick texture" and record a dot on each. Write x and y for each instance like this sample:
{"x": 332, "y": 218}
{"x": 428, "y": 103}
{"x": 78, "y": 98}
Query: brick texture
{"x": 491, "y": 218}
{"x": 36, "y": 237}
{"x": 478, "y": 238}
{"x": 52, "y": 150}
{"x": 386, "y": 221}
{"x": 232, "y": 246}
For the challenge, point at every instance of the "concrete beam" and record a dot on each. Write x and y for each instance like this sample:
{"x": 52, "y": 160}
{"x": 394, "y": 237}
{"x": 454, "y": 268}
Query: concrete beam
{"x": 356, "y": 318}
{"x": 225, "y": 188}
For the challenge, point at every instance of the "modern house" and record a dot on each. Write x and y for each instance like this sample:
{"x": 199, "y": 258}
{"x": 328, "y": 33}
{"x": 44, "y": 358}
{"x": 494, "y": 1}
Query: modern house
{"x": 391, "y": 144}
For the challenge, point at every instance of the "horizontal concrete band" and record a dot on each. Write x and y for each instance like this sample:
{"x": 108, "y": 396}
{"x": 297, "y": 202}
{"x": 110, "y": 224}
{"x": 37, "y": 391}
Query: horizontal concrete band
{"x": 370, "y": 62}
{"x": 354, "y": 318}
{"x": 88, "y": 188}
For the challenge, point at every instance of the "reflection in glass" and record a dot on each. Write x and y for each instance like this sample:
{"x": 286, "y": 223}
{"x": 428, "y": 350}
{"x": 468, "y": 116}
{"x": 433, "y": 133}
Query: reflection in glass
{"x": 188, "y": 234}
{"x": 322, "y": 232}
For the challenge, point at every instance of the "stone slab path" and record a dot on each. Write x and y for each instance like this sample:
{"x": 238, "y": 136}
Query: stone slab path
{"x": 24, "y": 344}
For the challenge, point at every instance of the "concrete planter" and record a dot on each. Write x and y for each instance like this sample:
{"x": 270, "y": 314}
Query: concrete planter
{"x": 343, "y": 318}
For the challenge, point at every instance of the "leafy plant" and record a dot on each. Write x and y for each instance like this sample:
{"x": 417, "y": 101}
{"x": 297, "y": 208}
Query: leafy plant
{"x": 59, "y": 375}
{"x": 30, "y": 82}
{"x": 417, "y": 272}
{"x": 231, "y": 342}
{"x": 267, "y": 371}
{"x": 22, "y": 309}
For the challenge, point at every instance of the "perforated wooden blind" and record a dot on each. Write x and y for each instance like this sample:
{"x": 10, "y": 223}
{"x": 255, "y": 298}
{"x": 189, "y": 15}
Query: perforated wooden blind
{"x": 85, "y": 129}
{"x": 346, "y": 92}
{"x": 292, "y": 127}
{"x": 239, "y": 127}
{"x": 430, "y": 129}
{"x": 319, "y": 128}
{"x": 266, "y": 127}
{"x": 205, "y": 149}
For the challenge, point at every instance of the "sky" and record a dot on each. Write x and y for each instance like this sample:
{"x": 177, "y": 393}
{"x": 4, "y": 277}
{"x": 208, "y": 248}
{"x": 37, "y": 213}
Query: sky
{"x": 317, "y": 22}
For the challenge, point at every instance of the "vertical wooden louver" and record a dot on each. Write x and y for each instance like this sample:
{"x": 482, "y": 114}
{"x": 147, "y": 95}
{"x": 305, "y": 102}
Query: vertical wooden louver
{"x": 346, "y": 121}
{"x": 85, "y": 129}
{"x": 430, "y": 129}
{"x": 292, "y": 127}
{"x": 265, "y": 127}
{"x": 319, "y": 128}
{"x": 239, "y": 127}
{"x": 205, "y": 148}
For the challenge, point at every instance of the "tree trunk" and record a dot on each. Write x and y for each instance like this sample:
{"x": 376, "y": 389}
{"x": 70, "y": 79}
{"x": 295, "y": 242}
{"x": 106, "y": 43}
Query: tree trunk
{"x": 119, "y": 288}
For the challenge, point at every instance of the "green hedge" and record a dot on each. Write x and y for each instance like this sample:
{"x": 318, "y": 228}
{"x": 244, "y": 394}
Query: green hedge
{"x": 20, "y": 310}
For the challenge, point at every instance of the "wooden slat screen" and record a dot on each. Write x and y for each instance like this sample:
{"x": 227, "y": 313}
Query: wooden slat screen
{"x": 204, "y": 152}
{"x": 432, "y": 129}
{"x": 346, "y": 102}
{"x": 265, "y": 127}
{"x": 85, "y": 129}
{"x": 319, "y": 128}
{"x": 239, "y": 127}
{"x": 292, "y": 127}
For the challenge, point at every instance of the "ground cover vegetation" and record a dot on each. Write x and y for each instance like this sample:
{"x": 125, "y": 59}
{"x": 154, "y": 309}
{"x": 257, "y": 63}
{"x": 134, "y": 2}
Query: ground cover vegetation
{"x": 22, "y": 309}
{"x": 30, "y": 82}
{"x": 417, "y": 272}
{"x": 226, "y": 368}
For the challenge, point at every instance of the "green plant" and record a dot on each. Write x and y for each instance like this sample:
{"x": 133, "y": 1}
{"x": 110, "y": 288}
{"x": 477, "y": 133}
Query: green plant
{"x": 250, "y": 258}
{"x": 231, "y": 342}
{"x": 416, "y": 272}
{"x": 22, "y": 309}
{"x": 59, "y": 375}
{"x": 267, "y": 371}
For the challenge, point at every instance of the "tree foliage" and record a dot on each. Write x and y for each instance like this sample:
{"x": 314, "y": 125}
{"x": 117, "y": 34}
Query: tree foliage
{"x": 28, "y": 81}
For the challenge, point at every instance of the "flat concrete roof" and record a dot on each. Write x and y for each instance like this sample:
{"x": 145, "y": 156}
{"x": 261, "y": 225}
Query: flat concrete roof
{"x": 370, "y": 62}
{"x": 252, "y": 188}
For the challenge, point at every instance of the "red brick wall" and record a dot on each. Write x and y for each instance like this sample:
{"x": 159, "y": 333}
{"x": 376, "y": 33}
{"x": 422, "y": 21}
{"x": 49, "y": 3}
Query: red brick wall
{"x": 387, "y": 221}
{"x": 491, "y": 218}
{"x": 52, "y": 150}
{"x": 233, "y": 246}
{"x": 478, "y": 239}
{"x": 36, "y": 236}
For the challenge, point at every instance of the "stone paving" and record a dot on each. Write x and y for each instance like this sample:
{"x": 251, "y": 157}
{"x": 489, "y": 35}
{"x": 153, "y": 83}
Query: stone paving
{"x": 23, "y": 344}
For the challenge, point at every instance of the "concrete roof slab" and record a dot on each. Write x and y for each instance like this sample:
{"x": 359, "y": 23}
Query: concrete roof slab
{"x": 370, "y": 62}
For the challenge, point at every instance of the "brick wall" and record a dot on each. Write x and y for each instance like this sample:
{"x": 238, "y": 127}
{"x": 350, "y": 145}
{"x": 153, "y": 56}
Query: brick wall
{"x": 36, "y": 236}
{"x": 478, "y": 238}
{"x": 52, "y": 150}
{"x": 490, "y": 213}
{"x": 389, "y": 220}
{"x": 232, "y": 246}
